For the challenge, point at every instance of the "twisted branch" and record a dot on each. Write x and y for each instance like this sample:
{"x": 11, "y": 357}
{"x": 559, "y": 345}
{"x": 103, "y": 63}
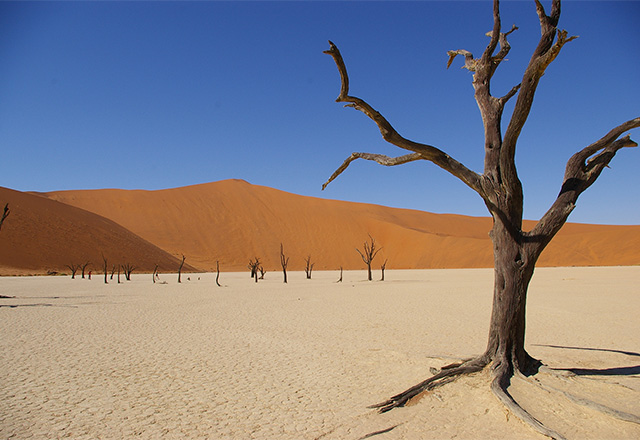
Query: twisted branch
{"x": 426, "y": 152}
{"x": 379, "y": 158}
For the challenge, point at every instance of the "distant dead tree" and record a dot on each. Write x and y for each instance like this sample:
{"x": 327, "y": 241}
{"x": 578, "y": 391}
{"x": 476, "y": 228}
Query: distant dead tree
{"x": 308, "y": 268}
{"x": 104, "y": 267}
{"x": 113, "y": 271}
{"x": 382, "y": 268}
{"x": 74, "y": 268}
{"x": 369, "y": 253}
{"x": 5, "y": 214}
{"x": 84, "y": 266}
{"x": 218, "y": 273}
{"x": 128, "y": 268}
{"x": 262, "y": 272}
{"x": 180, "y": 269}
{"x": 253, "y": 266}
{"x": 119, "y": 269}
{"x": 340, "y": 280}
{"x": 284, "y": 262}
{"x": 155, "y": 274}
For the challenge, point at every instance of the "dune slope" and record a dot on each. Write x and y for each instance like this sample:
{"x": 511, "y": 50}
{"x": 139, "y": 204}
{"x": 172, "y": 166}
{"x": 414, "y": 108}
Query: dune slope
{"x": 42, "y": 235}
{"x": 233, "y": 221}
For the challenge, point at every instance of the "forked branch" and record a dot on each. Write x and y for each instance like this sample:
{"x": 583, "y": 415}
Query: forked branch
{"x": 582, "y": 170}
{"x": 426, "y": 152}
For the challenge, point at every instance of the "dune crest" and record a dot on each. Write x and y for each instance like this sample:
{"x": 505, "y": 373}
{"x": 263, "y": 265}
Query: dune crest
{"x": 233, "y": 221}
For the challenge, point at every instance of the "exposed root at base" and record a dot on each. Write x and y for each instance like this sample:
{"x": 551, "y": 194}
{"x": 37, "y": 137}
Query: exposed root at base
{"x": 502, "y": 374}
{"x": 447, "y": 374}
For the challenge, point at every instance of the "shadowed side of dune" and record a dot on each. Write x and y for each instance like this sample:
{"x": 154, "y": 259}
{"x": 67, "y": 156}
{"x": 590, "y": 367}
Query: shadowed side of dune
{"x": 42, "y": 235}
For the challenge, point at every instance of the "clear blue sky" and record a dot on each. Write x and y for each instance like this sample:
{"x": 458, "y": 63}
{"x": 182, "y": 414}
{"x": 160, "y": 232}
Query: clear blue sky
{"x": 151, "y": 95}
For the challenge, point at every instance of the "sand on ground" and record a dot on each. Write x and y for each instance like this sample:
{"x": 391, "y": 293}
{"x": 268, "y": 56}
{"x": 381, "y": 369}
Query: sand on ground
{"x": 303, "y": 360}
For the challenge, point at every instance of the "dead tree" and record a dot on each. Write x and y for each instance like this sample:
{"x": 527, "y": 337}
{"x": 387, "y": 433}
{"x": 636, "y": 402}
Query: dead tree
{"x": 382, "y": 268}
{"x": 180, "y": 269}
{"x": 284, "y": 262}
{"x": 113, "y": 271}
{"x": 253, "y": 266}
{"x": 308, "y": 268}
{"x": 368, "y": 254}
{"x": 218, "y": 273}
{"x": 155, "y": 274}
{"x": 515, "y": 251}
{"x": 104, "y": 267}
{"x": 262, "y": 272}
{"x": 340, "y": 280}
{"x": 74, "y": 268}
{"x": 84, "y": 266}
{"x": 5, "y": 214}
{"x": 128, "y": 268}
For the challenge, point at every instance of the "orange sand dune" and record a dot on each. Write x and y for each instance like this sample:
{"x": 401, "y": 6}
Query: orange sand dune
{"x": 42, "y": 235}
{"x": 233, "y": 221}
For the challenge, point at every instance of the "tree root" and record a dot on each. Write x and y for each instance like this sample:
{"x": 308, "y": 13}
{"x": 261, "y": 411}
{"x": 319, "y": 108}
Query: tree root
{"x": 502, "y": 374}
{"x": 447, "y": 374}
{"x": 587, "y": 403}
{"x": 499, "y": 385}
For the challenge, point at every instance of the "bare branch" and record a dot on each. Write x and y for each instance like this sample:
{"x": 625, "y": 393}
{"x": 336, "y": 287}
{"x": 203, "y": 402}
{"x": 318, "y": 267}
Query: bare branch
{"x": 544, "y": 54}
{"x": 582, "y": 170}
{"x": 381, "y": 159}
{"x": 469, "y": 62}
{"x": 427, "y": 152}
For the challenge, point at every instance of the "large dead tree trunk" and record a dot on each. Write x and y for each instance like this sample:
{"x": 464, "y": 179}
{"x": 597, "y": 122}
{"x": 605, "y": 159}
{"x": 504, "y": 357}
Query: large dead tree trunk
{"x": 515, "y": 251}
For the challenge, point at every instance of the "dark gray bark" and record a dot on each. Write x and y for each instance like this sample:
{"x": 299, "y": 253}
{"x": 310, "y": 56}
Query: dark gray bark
{"x": 515, "y": 251}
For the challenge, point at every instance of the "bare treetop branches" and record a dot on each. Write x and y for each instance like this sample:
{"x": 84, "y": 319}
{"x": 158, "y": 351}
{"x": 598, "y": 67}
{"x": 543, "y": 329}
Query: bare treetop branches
{"x": 368, "y": 253}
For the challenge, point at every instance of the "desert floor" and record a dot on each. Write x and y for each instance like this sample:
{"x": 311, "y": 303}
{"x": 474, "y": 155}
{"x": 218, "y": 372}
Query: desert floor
{"x": 303, "y": 360}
